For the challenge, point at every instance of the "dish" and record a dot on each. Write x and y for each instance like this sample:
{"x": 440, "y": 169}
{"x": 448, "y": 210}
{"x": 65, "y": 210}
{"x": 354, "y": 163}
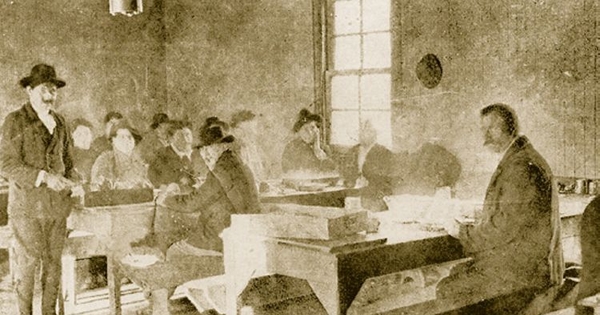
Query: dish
{"x": 140, "y": 261}
{"x": 313, "y": 187}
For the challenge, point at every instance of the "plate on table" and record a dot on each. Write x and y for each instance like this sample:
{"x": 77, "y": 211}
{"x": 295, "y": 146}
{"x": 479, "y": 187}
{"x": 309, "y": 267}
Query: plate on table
{"x": 313, "y": 187}
{"x": 432, "y": 227}
{"x": 140, "y": 260}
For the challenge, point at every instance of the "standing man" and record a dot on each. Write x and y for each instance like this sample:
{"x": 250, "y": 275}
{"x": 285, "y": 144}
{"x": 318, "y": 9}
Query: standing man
{"x": 35, "y": 156}
{"x": 515, "y": 244}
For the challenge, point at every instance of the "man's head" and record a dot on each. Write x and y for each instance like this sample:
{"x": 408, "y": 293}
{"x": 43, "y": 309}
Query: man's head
{"x": 82, "y": 133}
{"x": 180, "y": 135}
{"x": 123, "y": 137}
{"x": 368, "y": 134}
{"x": 160, "y": 124}
{"x": 111, "y": 119}
{"x": 214, "y": 131}
{"x": 499, "y": 126}
{"x": 307, "y": 126}
{"x": 42, "y": 87}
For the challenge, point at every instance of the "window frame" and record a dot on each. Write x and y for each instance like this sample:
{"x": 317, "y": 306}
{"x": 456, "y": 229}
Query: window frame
{"x": 327, "y": 38}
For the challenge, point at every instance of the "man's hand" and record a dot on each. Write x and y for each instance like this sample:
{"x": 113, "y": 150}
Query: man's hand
{"x": 57, "y": 183}
{"x": 170, "y": 190}
{"x": 77, "y": 191}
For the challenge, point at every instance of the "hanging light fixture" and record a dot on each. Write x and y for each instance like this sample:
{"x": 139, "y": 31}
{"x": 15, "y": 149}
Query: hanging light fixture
{"x": 126, "y": 7}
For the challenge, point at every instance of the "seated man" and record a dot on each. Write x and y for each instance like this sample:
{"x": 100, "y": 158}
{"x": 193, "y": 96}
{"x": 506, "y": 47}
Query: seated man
{"x": 373, "y": 166}
{"x": 590, "y": 254}
{"x": 515, "y": 244}
{"x": 177, "y": 163}
{"x": 154, "y": 140}
{"x": 229, "y": 189}
{"x": 430, "y": 168}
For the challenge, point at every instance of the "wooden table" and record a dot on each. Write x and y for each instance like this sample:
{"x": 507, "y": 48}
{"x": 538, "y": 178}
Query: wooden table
{"x": 328, "y": 197}
{"x": 114, "y": 228}
{"x": 335, "y": 269}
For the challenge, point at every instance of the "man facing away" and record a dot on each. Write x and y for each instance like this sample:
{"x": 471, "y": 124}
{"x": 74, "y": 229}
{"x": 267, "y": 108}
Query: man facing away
{"x": 36, "y": 158}
{"x": 515, "y": 244}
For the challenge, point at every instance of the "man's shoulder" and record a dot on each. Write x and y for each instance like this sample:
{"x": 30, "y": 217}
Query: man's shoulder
{"x": 526, "y": 164}
{"x": 17, "y": 114}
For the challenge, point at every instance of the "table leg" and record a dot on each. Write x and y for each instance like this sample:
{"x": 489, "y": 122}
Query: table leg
{"x": 114, "y": 286}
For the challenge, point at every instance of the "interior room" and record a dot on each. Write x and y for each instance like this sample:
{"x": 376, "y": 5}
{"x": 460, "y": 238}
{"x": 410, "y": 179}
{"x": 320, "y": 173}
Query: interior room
{"x": 414, "y": 79}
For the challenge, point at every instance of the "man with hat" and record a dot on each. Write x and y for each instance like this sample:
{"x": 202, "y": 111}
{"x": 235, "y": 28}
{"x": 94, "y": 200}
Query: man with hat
{"x": 36, "y": 158}
{"x": 229, "y": 189}
{"x": 155, "y": 140}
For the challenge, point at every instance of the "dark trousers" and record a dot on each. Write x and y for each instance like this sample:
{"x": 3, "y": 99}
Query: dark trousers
{"x": 38, "y": 241}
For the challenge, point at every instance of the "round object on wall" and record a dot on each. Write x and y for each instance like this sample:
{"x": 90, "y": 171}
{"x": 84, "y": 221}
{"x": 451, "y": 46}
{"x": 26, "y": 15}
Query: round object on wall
{"x": 429, "y": 71}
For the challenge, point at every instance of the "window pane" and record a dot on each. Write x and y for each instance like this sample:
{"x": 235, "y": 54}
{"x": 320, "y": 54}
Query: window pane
{"x": 344, "y": 92}
{"x": 381, "y": 120}
{"x": 347, "y": 17}
{"x": 376, "y": 15}
{"x": 375, "y": 91}
{"x": 377, "y": 53}
{"x": 347, "y": 52}
{"x": 344, "y": 127}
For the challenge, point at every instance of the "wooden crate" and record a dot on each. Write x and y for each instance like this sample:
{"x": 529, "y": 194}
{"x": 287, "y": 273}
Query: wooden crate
{"x": 305, "y": 222}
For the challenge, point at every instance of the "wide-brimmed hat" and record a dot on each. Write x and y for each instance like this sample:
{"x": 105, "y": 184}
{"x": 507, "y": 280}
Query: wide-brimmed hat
{"x": 214, "y": 131}
{"x": 304, "y": 117}
{"x": 158, "y": 119}
{"x": 241, "y": 116}
{"x": 42, "y": 73}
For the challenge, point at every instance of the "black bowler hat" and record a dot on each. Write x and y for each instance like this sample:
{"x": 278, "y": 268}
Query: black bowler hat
{"x": 158, "y": 119}
{"x": 42, "y": 73}
{"x": 214, "y": 131}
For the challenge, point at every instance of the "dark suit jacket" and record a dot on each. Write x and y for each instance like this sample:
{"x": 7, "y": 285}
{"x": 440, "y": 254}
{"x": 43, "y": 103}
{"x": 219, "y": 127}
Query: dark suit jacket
{"x": 168, "y": 167}
{"x": 518, "y": 238}
{"x": 27, "y": 148}
{"x": 229, "y": 189}
{"x": 590, "y": 252}
{"x": 299, "y": 156}
{"x": 381, "y": 169}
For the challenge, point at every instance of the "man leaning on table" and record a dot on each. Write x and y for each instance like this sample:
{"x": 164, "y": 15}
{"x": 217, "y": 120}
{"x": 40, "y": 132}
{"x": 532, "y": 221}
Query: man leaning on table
{"x": 36, "y": 158}
{"x": 515, "y": 244}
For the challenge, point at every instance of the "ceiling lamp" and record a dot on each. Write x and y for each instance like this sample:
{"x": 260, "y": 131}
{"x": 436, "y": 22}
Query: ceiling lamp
{"x": 126, "y": 7}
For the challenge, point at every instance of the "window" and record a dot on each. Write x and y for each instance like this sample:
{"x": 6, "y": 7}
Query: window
{"x": 359, "y": 75}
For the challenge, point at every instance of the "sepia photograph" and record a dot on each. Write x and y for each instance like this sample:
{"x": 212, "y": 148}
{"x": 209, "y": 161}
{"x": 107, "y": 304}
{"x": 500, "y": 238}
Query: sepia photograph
{"x": 299, "y": 157}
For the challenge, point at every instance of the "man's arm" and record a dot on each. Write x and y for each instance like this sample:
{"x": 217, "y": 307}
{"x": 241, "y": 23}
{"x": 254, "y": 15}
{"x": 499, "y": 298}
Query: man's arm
{"x": 12, "y": 165}
{"x": 522, "y": 195}
{"x": 209, "y": 192}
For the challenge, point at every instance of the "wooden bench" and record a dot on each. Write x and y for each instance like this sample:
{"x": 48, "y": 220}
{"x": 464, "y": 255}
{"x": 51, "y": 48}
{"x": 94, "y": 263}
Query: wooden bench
{"x": 159, "y": 280}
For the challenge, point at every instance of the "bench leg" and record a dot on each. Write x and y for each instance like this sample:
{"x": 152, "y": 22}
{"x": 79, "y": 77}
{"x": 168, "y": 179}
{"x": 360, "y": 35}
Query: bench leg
{"x": 159, "y": 301}
{"x": 114, "y": 287}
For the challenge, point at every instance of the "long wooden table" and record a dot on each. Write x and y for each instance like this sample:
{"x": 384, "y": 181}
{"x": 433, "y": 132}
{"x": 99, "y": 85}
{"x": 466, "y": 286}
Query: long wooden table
{"x": 334, "y": 269}
{"x": 337, "y": 269}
